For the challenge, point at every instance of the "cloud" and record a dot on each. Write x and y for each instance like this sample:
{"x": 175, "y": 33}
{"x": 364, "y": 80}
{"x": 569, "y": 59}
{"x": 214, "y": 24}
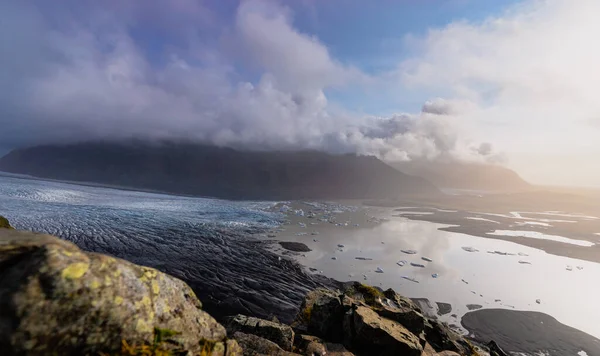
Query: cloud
{"x": 529, "y": 73}
{"x": 72, "y": 72}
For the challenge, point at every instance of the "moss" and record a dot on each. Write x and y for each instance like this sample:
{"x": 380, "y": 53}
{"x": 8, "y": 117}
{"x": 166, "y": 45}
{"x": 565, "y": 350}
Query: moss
{"x": 4, "y": 223}
{"x": 306, "y": 312}
{"x": 370, "y": 294}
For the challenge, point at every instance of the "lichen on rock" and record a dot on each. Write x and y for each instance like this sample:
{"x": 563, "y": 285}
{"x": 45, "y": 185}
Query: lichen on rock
{"x": 55, "y": 298}
{"x": 4, "y": 224}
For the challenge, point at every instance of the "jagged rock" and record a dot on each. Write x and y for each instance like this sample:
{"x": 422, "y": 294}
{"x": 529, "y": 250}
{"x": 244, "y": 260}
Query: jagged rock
{"x": 57, "y": 299}
{"x": 314, "y": 346}
{"x": 495, "y": 350}
{"x": 401, "y": 300}
{"x": 322, "y": 313}
{"x": 4, "y": 224}
{"x": 281, "y": 334}
{"x": 409, "y": 318}
{"x": 442, "y": 338}
{"x": 367, "y": 330}
{"x": 257, "y": 346}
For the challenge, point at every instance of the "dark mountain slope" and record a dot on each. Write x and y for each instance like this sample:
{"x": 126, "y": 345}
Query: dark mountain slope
{"x": 463, "y": 175}
{"x": 219, "y": 172}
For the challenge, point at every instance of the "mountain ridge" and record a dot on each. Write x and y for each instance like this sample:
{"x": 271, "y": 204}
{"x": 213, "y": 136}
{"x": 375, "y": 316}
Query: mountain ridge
{"x": 466, "y": 175}
{"x": 201, "y": 170}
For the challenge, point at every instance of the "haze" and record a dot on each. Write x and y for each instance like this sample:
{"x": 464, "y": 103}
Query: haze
{"x": 513, "y": 82}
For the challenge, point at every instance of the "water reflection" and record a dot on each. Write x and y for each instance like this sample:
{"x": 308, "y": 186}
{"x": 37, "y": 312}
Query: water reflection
{"x": 500, "y": 274}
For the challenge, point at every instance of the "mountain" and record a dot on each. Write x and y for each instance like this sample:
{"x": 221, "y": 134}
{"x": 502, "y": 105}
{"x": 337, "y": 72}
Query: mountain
{"x": 464, "y": 175}
{"x": 200, "y": 170}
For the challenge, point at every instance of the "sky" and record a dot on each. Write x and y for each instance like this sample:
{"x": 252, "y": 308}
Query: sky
{"x": 505, "y": 81}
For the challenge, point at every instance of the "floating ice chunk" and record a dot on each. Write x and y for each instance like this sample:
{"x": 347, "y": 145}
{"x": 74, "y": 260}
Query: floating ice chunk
{"x": 379, "y": 270}
{"x": 401, "y": 263}
{"x": 417, "y": 265}
{"x": 470, "y": 249}
{"x": 522, "y": 254}
{"x": 314, "y": 233}
{"x": 299, "y": 212}
{"x": 301, "y": 234}
{"x": 410, "y": 279}
{"x": 409, "y": 252}
{"x": 427, "y": 259}
{"x": 434, "y": 275}
{"x": 284, "y": 209}
{"x": 302, "y": 225}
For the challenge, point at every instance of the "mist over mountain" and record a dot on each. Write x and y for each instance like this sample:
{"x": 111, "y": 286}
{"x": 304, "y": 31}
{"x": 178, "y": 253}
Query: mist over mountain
{"x": 466, "y": 175}
{"x": 201, "y": 170}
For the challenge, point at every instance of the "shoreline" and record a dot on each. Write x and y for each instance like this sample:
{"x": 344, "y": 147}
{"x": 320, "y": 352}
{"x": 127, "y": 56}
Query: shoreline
{"x": 330, "y": 234}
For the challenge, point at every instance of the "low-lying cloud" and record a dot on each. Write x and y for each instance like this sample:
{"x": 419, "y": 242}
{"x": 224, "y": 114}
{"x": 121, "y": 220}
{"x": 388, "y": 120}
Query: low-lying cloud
{"x": 79, "y": 70}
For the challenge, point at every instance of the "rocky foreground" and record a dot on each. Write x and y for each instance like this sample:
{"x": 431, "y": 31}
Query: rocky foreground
{"x": 57, "y": 299}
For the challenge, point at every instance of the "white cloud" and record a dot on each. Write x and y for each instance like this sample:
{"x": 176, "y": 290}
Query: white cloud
{"x": 534, "y": 65}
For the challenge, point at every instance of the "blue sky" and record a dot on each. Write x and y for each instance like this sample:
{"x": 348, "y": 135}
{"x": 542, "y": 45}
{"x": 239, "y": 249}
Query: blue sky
{"x": 504, "y": 82}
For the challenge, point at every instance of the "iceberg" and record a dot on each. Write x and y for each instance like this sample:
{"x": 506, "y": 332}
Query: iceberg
{"x": 410, "y": 279}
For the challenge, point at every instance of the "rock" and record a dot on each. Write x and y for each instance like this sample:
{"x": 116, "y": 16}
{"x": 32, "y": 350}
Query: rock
{"x": 495, "y": 350}
{"x": 401, "y": 300}
{"x": 314, "y": 346}
{"x": 280, "y": 334}
{"x": 322, "y": 313}
{"x": 442, "y": 338}
{"x": 295, "y": 246}
{"x": 371, "y": 333}
{"x": 255, "y": 345}
{"x": 57, "y": 299}
{"x": 311, "y": 345}
{"x": 428, "y": 350}
{"x": 4, "y": 224}
{"x": 409, "y": 318}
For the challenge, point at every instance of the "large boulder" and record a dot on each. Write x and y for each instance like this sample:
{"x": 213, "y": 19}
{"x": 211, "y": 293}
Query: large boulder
{"x": 254, "y": 345}
{"x": 57, "y": 299}
{"x": 281, "y": 334}
{"x": 369, "y": 332}
{"x": 322, "y": 313}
